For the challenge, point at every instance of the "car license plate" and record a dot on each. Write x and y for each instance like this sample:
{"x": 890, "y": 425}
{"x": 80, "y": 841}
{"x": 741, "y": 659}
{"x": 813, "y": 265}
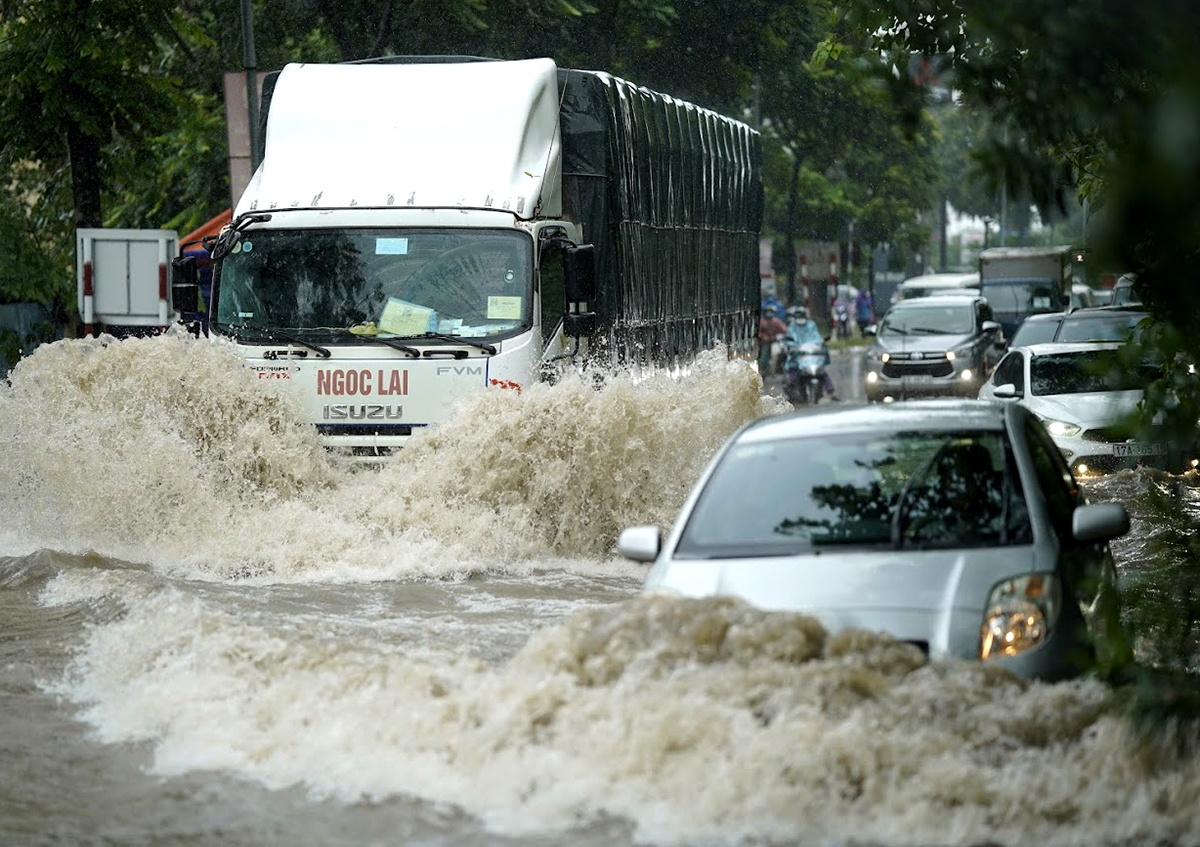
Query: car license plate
{"x": 1144, "y": 449}
{"x": 917, "y": 379}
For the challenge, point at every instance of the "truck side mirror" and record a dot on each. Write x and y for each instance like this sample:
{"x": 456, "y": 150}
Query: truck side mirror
{"x": 185, "y": 284}
{"x": 579, "y": 265}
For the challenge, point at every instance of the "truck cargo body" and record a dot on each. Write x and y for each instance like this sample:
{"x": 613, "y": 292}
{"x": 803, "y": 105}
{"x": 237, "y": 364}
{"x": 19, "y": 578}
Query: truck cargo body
{"x": 1023, "y": 281}
{"x": 405, "y": 240}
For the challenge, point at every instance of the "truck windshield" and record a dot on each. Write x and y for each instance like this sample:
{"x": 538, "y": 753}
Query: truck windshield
{"x": 469, "y": 283}
{"x": 1022, "y": 296}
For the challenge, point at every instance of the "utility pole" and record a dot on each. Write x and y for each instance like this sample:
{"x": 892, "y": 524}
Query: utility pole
{"x": 251, "y": 79}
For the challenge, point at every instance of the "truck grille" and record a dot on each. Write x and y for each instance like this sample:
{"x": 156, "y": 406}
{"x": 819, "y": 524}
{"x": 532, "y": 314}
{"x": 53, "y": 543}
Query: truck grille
{"x": 362, "y": 430}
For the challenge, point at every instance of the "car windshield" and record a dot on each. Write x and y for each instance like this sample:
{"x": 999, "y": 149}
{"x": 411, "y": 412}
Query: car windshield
{"x": 1024, "y": 295}
{"x": 385, "y": 281}
{"x": 1110, "y": 327}
{"x": 1035, "y": 332}
{"x": 907, "y": 489}
{"x": 1086, "y": 371}
{"x": 929, "y": 320}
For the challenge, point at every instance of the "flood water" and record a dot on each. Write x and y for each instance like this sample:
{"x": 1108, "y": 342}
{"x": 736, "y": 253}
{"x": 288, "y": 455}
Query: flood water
{"x": 211, "y": 632}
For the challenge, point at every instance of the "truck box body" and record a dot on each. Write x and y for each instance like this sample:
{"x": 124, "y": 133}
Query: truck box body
{"x": 1023, "y": 281}
{"x": 395, "y": 199}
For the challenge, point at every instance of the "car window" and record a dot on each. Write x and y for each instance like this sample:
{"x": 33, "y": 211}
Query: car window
{"x": 1035, "y": 332}
{"x": 1054, "y": 477}
{"x": 1010, "y": 370}
{"x": 1110, "y": 327}
{"x": 909, "y": 489}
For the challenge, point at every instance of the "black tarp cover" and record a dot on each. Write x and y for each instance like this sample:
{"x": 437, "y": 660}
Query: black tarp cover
{"x": 671, "y": 195}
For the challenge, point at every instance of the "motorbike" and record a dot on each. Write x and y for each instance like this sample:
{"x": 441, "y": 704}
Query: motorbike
{"x": 805, "y": 374}
{"x": 778, "y": 354}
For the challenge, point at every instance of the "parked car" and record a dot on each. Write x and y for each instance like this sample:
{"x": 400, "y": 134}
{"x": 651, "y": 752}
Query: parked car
{"x": 952, "y": 525}
{"x": 932, "y": 346}
{"x": 1085, "y": 399}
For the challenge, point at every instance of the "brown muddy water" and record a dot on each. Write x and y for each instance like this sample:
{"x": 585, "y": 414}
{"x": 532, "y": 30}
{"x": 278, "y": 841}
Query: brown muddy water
{"x": 213, "y": 633}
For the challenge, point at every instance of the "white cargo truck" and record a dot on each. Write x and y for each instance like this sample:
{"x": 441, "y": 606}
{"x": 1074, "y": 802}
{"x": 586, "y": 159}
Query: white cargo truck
{"x": 1023, "y": 281}
{"x": 420, "y": 229}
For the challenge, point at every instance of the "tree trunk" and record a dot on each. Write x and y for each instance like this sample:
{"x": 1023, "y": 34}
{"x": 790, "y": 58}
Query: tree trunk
{"x": 84, "y": 150}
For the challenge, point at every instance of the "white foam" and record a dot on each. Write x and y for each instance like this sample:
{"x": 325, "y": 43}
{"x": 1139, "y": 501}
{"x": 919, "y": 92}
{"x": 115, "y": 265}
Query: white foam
{"x": 168, "y": 451}
{"x": 696, "y": 720}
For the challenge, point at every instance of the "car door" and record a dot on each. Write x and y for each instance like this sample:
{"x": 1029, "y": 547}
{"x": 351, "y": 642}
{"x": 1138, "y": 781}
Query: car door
{"x": 1086, "y": 569}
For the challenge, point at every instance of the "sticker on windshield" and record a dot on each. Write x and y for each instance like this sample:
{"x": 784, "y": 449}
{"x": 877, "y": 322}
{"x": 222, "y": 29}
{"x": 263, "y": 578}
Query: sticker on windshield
{"x": 504, "y": 308}
{"x": 403, "y": 318}
{"x": 391, "y": 246}
{"x": 247, "y": 246}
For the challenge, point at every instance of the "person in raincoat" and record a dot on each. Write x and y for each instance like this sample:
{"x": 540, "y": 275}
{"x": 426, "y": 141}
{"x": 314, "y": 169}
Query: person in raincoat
{"x": 801, "y": 330}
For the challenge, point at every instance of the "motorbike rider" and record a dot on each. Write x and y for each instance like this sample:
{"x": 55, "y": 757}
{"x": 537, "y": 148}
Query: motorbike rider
{"x": 769, "y": 326}
{"x": 802, "y": 330}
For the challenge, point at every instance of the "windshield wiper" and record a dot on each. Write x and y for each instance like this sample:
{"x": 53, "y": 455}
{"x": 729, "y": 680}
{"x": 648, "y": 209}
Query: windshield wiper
{"x": 454, "y": 339}
{"x": 927, "y": 330}
{"x": 375, "y": 339}
{"x": 241, "y": 331}
{"x": 894, "y": 330}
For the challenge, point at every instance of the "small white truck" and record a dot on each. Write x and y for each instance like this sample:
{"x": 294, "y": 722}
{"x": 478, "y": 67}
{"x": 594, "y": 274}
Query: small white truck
{"x": 422, "y": 229}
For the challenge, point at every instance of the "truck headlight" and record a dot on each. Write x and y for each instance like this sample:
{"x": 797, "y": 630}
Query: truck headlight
{"x": 1020, "y": 613}
{"x": 1062, "y": 428}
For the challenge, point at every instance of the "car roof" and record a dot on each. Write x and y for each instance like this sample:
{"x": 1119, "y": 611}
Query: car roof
{"x": 942, "y": 299}
{"x": 1109, "y": 309}
{"x": 1043, "y": 317}
{"x": 948, "y": 279}
{"x": 1051, "y": 348}
{"x": 914, "y": 415}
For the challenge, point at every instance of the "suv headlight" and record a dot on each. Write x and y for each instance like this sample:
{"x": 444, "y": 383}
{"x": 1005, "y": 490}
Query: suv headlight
{"x": 1062, "y": 428}
{"x": 1020, "y": 614}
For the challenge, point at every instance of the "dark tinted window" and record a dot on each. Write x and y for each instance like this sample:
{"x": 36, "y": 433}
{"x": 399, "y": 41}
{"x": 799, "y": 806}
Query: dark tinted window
{"x": 1023, "y": 296}
{"x": 1116, "y": 326}
{"x": 1010, "y": 370}
{"x": 1054, "y": 478}
{"x": 923, "y": 489}
{"x": 1035, "y": 332}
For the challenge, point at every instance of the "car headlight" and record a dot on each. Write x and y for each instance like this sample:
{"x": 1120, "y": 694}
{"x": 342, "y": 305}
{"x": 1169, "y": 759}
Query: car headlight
{"x": 1062, "y": 428}
{"x": 951, "y": 355}
{"x": 885, "y": 357}
{"x": 1020, "y": 613}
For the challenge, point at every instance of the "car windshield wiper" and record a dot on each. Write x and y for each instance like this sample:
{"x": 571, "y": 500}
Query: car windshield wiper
{"x": 454, "y": 339}
{"x": 893, "y": 330}
{"x": 243, "y": 332}
{"x": 375, "y": 339}
{"x": 927, "y": 330}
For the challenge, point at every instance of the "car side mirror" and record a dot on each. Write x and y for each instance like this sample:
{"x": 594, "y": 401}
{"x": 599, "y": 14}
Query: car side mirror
{"x": 1008, "y": 391}
{"x": 640, "y": 543}
{"x": 185, "y": 284}
{"x": 869, "y": 330}
{"x": 1099, "y": 522}
{"x": 990, "y": 326}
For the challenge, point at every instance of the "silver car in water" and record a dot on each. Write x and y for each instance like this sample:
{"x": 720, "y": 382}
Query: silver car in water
{"x": 953, "y": 525}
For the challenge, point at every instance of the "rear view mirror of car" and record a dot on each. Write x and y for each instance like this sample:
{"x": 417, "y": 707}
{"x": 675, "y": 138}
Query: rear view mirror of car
{"x": 990, "y": 326}
{"x": 1099, "y": 522}
{"x": 1008, "y": 391}
{"x": 640, "y": 543}
{"x": 869, "y": 330}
